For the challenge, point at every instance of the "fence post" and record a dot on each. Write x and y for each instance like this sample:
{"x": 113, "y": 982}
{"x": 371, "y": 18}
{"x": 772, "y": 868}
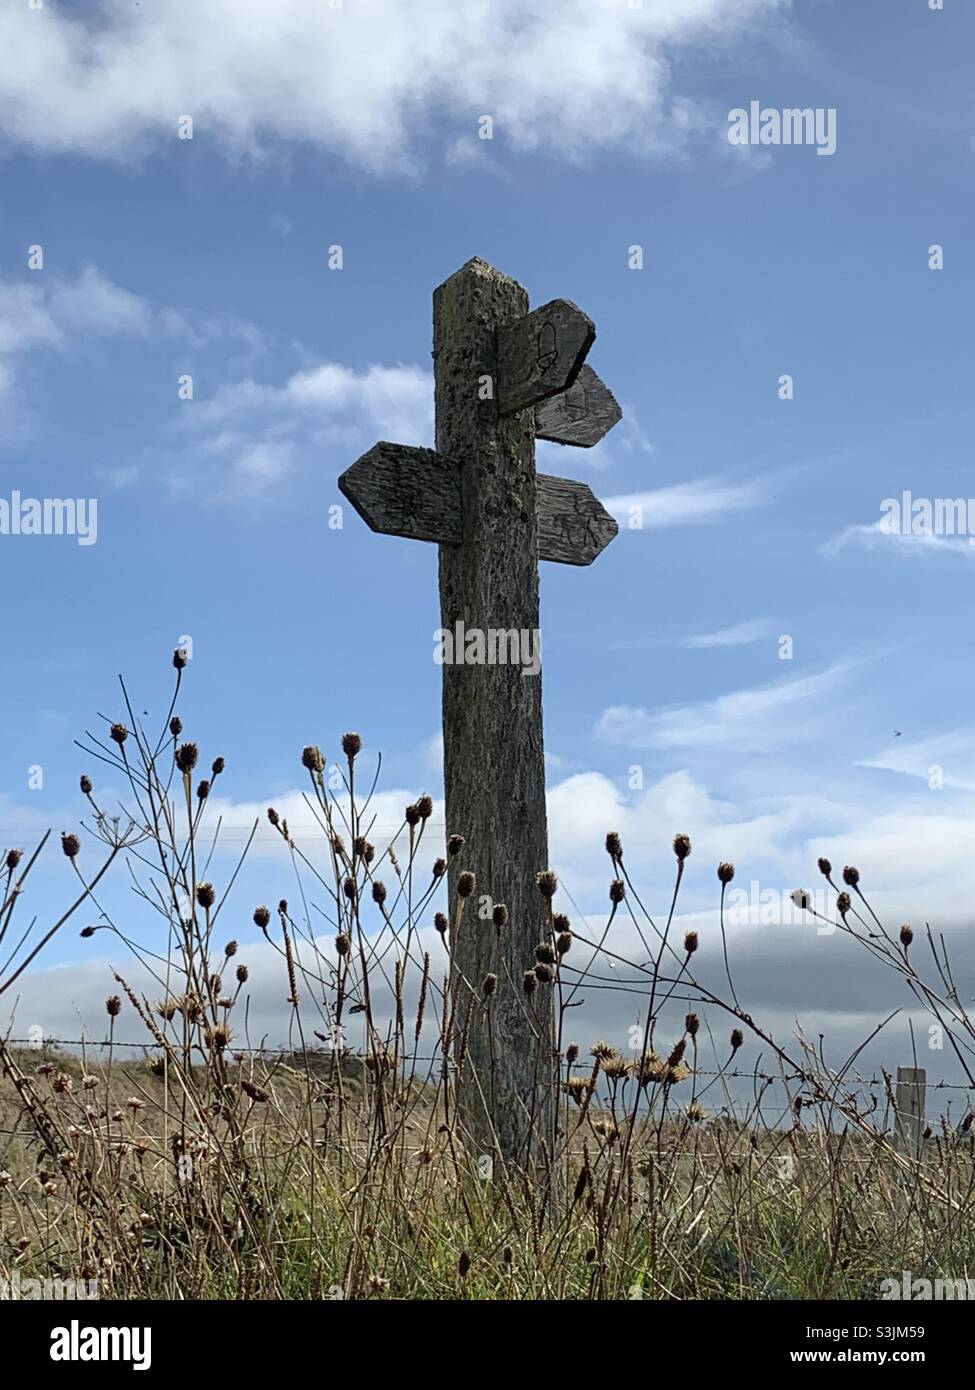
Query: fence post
{"x": 909, "y": 1111}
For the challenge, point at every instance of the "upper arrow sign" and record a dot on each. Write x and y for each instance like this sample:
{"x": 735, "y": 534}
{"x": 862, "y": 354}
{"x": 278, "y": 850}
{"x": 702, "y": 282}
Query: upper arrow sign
{"x": 541, "y": 354}
{"x": 401, "y": 491}
{"x": 581, "y": 415}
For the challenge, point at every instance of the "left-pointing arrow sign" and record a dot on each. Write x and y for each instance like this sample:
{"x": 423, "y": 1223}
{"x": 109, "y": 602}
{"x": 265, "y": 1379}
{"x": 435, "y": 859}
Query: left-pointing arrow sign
{"x": 541, "y": 354}
{"x": 402, "y": 491}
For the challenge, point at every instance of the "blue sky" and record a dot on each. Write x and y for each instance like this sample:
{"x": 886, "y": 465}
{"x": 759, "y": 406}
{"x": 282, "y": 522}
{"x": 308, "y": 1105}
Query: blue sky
{"x": 359, "y": 127}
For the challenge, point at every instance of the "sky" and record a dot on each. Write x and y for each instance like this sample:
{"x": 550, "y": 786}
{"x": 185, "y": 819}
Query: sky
{"x": 760, "y": 665}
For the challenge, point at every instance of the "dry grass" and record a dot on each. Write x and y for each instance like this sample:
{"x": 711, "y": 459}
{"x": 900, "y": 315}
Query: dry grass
{"x": 207, "y": 1170}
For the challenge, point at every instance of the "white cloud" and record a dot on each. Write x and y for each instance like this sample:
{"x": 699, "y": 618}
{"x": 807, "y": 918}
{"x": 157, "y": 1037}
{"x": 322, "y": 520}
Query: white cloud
{"x": 755, "y": 719}
{"x": 877, "y": 536}
{"x": 952, "y": 754}
{"x": 737, "y": 636}
{"x": 706, "y": 499}
{"x": 363, "y": 81}
{"x": 258, "y": 430}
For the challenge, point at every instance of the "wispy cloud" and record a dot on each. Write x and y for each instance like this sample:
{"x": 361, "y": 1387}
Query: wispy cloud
{"x": 943, "y": 760}
{"x": 739, "y": 635}
{"x": 685, "y": 504}
{"x": 755, "y": 719}
{"x": 874, "y": 536}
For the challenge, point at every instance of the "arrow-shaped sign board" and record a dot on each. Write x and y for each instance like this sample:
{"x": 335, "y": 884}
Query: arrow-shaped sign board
{"x": 541, "y": 354}
{"x": 402, "y": 491}
{"x": 582, "y": 415}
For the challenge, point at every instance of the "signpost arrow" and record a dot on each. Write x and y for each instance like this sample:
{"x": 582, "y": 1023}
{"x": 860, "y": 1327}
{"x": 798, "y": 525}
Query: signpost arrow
{"x": 416, "y": 493}
{"x": 582, "y": 415}
{"x": 541, "y": 354}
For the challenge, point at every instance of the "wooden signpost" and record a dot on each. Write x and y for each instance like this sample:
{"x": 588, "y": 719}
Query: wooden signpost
{"x": 502, "y": 376}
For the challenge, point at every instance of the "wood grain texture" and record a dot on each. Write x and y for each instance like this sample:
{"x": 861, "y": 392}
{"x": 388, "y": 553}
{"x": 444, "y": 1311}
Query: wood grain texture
{"x": 494, "y": 770}
{"x": 573, "y": 525}
{"x": 541, "y": 354}
{"x": 416, "y": 493}
{"x": 403, "y": 491}
{"x": 581, "y": 415}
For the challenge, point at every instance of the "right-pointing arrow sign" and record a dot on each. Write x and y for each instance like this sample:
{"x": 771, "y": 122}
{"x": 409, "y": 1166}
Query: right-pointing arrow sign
{"x": 582, "y": 415}
{"x": 541, "y": 354}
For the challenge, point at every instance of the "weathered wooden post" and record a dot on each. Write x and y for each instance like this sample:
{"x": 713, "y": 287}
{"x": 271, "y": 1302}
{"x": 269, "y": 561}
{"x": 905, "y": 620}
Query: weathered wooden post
{"x": 477, "y": 495}
{"x": 909, "y": 1103}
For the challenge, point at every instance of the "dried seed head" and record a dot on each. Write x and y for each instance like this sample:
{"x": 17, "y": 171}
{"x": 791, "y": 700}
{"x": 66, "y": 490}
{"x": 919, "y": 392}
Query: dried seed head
{"x": 86, "y": 784}
{"x": 691, "y": 1024}
{"x": 425, "y": 807}
{"x": 737, "y": 1038}
{"x": 203, "y": 790}
{"x": 490, "y": 985}
{"x": 602, "y": 1050}
{"x": 71, "y": 845}
{"x": 507, "y": 1255}
{"x": 217, "y": 767}
{"x": 273, "y": 816}
{"x": 379, "y": 892}
{"x": 499, "y": 914}
{"x": 572, "y": 1053}
{"x": 529, "y": 982}
{"x": 561, "y": 923}
{"x": 907, "y": 936}
{"x": 412, "y": 814}
{"x": 343, "y": 943}
{"x": 677, "y": 1054}
{"x": 547, "y": 884}
{"x": 166, "y": 1008}
{"x": 726, "y": 872}
{"x": 179, "y": 658}
{"x": 218, "y": 1036}
{"x": 563, "y": 943}
{"x": 311, "y": 758}
{"x": 801, "y": 898}
{"x": 843, "y": 904}
{"x": 256, "y": 1094}
{"x": 825, "y": 867}
{"x": 113, "y": 1005}
{"x": 440, "y": 922}
{"x": 682, "y": 847}
{"x": 351, "y": 746}
{"x": 614, "y": 846}
{"x": 617, "y": 890}
{"x": 439, "y": 868}
{"x": 206, "y": 894}
{"x": 363, "y": 849}
{"x": 262, "y": 917}
{"x": 156, "y": 1066}
{"x": 466, "y": 884}
{"x": 176, "y": 726}
{"x": 455, "y": 844}
{"x": 545, "y": 953}
{"x": 14, "y": 856}
{"x": 463, "y": 1264}
{"x": 851, "y": 876}
{"x": 186, "y": 756}
{"x": 544, "y": 974}
{"x": 242, "y": 974}
{"x": 118, "y": 733}
{"x": 690, "y": 942}
{"x": 230, "y": 949}
{"x": 578, "y": 1088}
{"x": 349, "y": 889}
{"x": 86, "y": 932}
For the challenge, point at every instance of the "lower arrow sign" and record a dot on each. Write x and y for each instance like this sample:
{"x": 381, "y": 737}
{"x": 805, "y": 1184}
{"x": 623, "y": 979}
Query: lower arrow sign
{"x": 404, "y": 491}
